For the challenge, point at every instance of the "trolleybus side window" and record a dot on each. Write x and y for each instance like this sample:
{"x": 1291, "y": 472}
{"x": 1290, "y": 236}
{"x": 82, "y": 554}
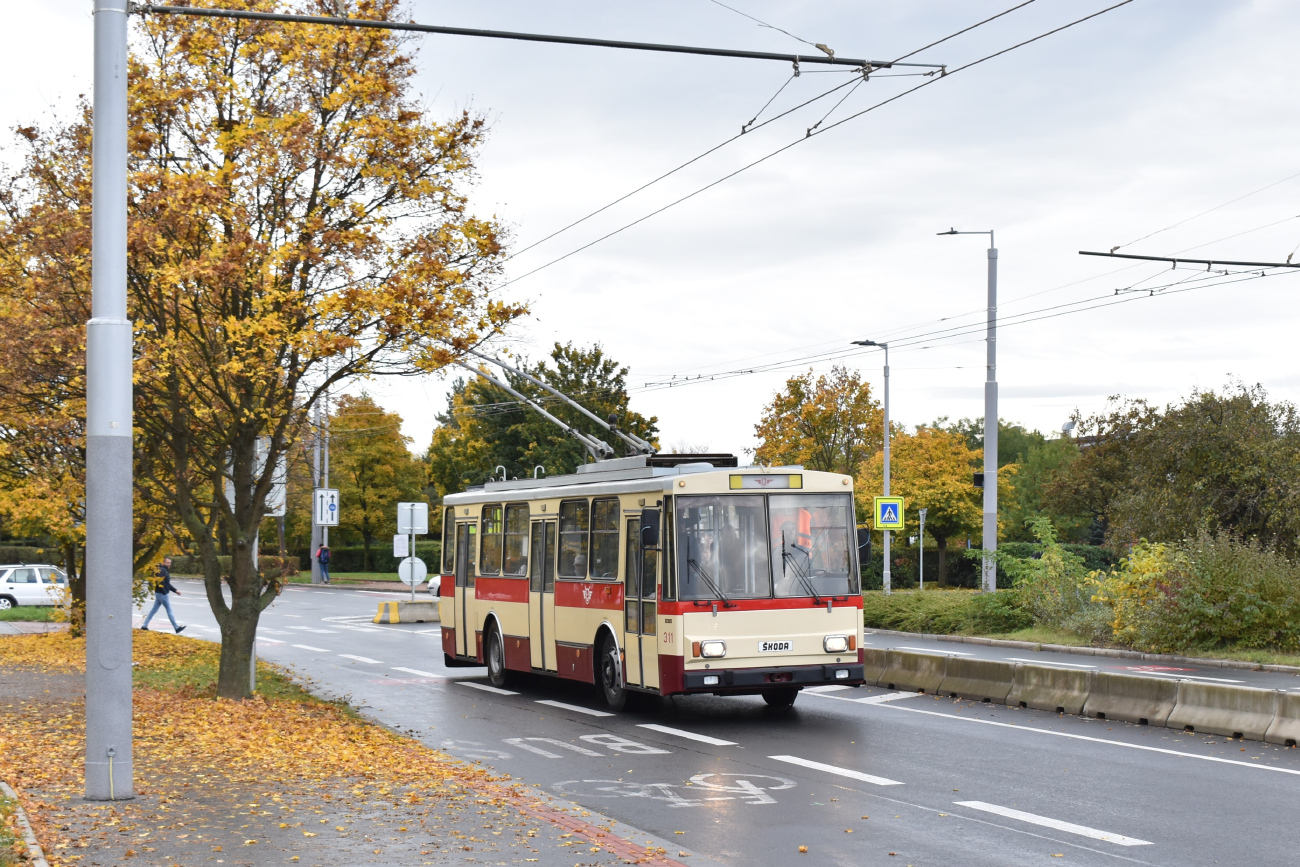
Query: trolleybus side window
{"x": 722, "y": 548}
{"x": 575, "y": 522}
{"x": 493, "y": 528}
{"x": 649, "y": 575}
{"x": 516, "y": 547}
{"x": 604, "y": 538}
{"x": 811, "y": 541}
{"x": 449, "y": 542}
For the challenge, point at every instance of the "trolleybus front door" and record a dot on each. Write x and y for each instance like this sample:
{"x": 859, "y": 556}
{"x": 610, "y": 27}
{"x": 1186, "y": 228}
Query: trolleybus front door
{"x": 465, "y": 539}
{"x": 640, "y": 648}
{"x": 541, "y": 595}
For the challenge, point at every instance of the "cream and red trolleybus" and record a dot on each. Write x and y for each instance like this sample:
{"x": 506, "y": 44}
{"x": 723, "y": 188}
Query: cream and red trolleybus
{"x": 662, "y": 574}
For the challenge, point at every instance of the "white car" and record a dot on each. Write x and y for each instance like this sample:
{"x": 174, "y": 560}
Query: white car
{"x": 31, "y": 585}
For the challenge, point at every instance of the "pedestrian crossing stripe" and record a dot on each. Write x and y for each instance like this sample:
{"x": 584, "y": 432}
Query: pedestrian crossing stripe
{"x": 888, "y": 513}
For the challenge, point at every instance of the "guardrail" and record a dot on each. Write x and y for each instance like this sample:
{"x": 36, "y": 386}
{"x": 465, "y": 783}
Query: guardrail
{"x": 1220, "y": 709}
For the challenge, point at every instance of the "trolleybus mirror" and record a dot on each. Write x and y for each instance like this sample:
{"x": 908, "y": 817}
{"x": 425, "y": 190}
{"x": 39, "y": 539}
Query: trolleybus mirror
{"x": 649, "y": 528}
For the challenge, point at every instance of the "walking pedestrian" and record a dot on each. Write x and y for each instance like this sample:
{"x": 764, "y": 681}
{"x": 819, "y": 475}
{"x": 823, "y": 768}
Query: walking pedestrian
{"x": 162, "y": 596}
{"x": 323, "y": 557}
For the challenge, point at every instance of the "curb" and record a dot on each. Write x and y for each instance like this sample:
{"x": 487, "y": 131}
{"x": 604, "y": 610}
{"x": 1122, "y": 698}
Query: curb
{"x": 34, "y": 853}
{"x": 1113, "y": 652}
{"x": 1242, "y": 712}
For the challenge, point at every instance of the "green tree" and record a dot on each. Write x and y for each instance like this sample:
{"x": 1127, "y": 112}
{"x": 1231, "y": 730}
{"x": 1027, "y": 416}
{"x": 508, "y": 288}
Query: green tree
{"x": 1014, "y": 440}
{"x": 372, "y": 468}
{"x": 485, "y": 427}
{"x": 1038, "y": 467}
{"x": 830, "y": 423}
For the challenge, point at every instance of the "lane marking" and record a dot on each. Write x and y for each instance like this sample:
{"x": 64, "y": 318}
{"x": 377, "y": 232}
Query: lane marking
{"x": 830, "y": 687}
{"x": 485, "y": 687}
{"x": 269, "y": 641}
{"x": 1048, "y": 662}
{"x": 362, "y": 659}
{"x": 573, "y": 707}
{"x": 347, "y": 617}
{"x": 522, "y": 743}
{"x": 416, "y": 672}
{"x": 881, "y": 699}
{"x": 932, "y": 650}
{"x": 1057, "y": 824}
{"x": 309, "y": 647}
{"x": 312, "y": 629}
{"x": 437, "y": 631}
{"x": 380, "y": 593}
{"x": 704, "y": 739}
{"x": 832, "y": 769}
{"x": 1019, "y": 728}
{"x": 1183, "y": 676}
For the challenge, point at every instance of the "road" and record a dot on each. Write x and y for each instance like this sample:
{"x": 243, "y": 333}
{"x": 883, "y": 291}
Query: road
{"x": 858, "y": 776}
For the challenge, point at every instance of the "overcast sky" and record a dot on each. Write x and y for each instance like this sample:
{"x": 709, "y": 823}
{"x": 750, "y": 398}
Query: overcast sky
{"x": 1094, "y": 137}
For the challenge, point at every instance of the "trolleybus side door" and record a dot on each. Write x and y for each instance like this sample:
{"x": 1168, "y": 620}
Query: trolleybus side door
{"x": 466, "y": 539}
{"x": 649, "y": 645}
{"x": 541, "y": 595}
{"x": 640, "y": 647}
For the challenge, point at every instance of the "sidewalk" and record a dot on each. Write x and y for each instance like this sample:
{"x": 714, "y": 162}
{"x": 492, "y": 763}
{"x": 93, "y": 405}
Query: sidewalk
{"x": 271, "y": 780}
{"x": 29, "y": 627}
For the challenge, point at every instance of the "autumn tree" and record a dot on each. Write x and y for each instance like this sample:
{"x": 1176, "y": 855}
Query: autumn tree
{"x": 372, "y": 468}
{"x": 485, "y": 427}
{"x": 830, "y": 423}
{"x": 296, "y": 221}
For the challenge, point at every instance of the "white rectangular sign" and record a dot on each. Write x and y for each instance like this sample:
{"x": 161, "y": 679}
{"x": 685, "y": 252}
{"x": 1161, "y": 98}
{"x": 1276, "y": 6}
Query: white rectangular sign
{"x": 401, "y": 546}
{"x": 326, "y": 511}
{"x": 413, "y": 518}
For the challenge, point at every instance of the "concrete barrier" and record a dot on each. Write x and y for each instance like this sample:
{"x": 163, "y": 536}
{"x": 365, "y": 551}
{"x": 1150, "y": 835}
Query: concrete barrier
{"x": 1219, "y": 709}
{"x": 980, "y": 679}
{"x": 874, "y": 662}
{"x": 1285, "y": 728}
{"x": 1130, "y": 698}
{"x": 1045, "y": 687}
{"x": 920, "y": 671}
{"x": 407, "y": 612}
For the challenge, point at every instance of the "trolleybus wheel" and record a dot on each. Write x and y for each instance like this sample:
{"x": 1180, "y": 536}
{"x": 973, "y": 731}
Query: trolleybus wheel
{"x": 783, "y": 697}
{"x": 610, "y": 676}
{"x": 496, "y": 659}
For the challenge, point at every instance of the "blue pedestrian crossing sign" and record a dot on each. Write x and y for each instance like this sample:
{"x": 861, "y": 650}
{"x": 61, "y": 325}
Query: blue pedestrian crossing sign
{"x": 888, "y": 513}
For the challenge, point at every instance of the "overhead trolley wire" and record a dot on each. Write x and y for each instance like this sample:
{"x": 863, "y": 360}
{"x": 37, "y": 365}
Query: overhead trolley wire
{"x": 798, "y": 141}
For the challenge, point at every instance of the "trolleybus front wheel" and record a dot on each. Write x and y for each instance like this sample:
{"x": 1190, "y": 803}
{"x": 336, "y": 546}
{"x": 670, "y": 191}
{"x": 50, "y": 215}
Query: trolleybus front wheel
{"x": 783, "y": 697}
{"x": 610, "y": 676}
{"x": 496, "y": 659}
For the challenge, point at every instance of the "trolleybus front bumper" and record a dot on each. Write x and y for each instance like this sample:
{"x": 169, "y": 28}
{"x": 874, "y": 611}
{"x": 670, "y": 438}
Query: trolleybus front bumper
{"x": 740, "y": 680}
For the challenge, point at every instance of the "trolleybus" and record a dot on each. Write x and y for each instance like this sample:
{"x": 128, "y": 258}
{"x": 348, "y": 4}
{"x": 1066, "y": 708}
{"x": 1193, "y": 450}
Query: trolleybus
{"x": 660, "y": 574}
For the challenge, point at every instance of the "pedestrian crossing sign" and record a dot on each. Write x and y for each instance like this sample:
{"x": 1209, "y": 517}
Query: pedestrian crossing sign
{"x": 888, "y": 513}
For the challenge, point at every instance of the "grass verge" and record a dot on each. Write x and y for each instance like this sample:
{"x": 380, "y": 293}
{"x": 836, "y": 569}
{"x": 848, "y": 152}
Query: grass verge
{"x": 12, "y": 848}
{"x": 37, "y": 613}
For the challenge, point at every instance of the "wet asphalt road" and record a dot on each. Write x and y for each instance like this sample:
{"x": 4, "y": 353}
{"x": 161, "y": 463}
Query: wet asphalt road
{"x": 858, "y": 776}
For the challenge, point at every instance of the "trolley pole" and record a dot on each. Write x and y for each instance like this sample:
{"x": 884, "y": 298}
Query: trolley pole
{"x": 989, "y": 581}
{"x": 109, "y": 484}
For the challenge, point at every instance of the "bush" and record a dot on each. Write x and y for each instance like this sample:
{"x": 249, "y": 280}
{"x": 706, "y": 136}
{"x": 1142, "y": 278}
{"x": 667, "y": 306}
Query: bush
{"x": 946, "y": 612}
{"x": 27, "y": 554}
{"x": 1205, "y": 593}
{"x": 352, "y": 558}
{"x": 185, "y": 565}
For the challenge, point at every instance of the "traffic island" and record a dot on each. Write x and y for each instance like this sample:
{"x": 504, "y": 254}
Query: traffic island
{"x": 407, "y": 612}
{"x": 281, "y": 778}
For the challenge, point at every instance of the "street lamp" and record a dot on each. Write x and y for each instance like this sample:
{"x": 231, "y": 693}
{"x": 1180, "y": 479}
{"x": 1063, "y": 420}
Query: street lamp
{"x": 990, "y": 582}
{"x": 885, "y": 582}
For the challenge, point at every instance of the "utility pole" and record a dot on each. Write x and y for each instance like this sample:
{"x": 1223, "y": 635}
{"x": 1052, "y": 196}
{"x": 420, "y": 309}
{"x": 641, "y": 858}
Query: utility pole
{"x": 920, "y": 559}
{"x": 990, "y": 567}
{"x": 325, "y": 531}
{"x": 885, "y": 577}
{"x": 315, "y": 483}
{"x": 109, "y": 768}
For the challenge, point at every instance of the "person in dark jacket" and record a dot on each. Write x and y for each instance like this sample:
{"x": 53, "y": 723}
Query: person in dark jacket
{"x": 162, "y": 596}
{"x": 323, "y": 557}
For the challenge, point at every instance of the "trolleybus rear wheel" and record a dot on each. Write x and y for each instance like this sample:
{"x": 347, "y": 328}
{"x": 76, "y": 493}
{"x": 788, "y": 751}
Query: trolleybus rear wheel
{"x": 496, "y": 659}
{"x": 610, "y": 676}
{"x": 783, "y": 697}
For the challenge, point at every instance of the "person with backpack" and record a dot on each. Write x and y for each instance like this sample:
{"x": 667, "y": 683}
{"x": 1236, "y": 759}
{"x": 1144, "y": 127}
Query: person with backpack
{"x": 323, "y": 558}
{"x": 162, "y": 596}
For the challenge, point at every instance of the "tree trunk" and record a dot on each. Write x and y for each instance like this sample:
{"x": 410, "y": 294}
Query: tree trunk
{"x": 76, "y": 590}
{"x": 365, "y": 543}
{"x": 239, "y": 624}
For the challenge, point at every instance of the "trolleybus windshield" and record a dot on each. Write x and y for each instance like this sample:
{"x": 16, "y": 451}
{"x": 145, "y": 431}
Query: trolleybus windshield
{"x": 760, "y": 546}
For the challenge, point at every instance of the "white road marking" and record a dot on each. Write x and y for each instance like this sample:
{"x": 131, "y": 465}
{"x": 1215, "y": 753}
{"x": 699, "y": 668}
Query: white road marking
{"x": 881, "y": 699}
{"x": 832, "y": 769}
{"x": 397, "y": 593}
{"x": 573, "y": 707}
{"x": 313, "y": 629}
{"x": 933, "y": 650}
{"x": 1049, "y": 662}
{"x": 1179, "y": 676}
{"x": 437, "y": 631}
{"x": 350, "y": 628}
{"x": 830, "y": 687}
{"x": 1019, "y": 728}
{"x": 269, "y": 641}
{"x": 704, "y": 739}
{"x": 1057, "y": 824}
{"x": 522, "y": 743}
{"x": 309, "y": 647}
{"x": 267, "y": 631}
{"x": 358, "y": 618}
{"x": 485, "y": 687}
{"x": 362, "y": 659}
{"x": 416, "y": 671}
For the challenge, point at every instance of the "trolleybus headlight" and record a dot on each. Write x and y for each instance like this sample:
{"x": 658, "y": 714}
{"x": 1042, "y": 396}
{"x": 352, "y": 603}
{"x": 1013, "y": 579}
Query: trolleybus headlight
{"x": 835, "y": 643}
{"x": 713, "y": 649}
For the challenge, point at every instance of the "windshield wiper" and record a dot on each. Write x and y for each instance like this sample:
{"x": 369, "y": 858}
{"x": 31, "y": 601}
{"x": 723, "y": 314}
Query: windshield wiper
{"x": 692, "y": 563}
{"x": 803, "y": 577}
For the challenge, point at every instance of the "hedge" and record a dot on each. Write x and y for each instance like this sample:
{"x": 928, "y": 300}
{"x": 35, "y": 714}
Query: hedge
{"x": 27, "y": 554}
{"x": 184, "y": 565}
{"x": 351, "y": 558}
{"x": 963, "y": 571}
